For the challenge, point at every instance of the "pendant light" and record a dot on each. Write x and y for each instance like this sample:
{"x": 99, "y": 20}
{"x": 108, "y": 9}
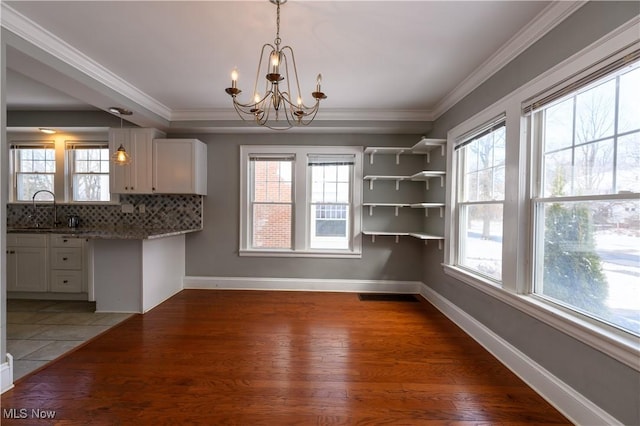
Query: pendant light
{"x": 121, "y": 157}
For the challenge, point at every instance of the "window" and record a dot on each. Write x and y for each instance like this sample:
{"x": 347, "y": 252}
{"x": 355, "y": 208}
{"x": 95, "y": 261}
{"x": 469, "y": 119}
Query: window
{"x": 76, "y": 171}
{"x": 300, "y": 201}
{"x": 586, "y": 204}
{"x": 271, "y": 202}
{"x": 89, "y": 170}
{"x": 34, "y": 169}
{"x": 480, "y": 197}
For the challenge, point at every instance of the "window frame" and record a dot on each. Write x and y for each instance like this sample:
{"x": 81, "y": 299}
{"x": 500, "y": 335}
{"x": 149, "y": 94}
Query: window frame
{"x": 39, "y": 144}
{"x": 462, "y": 203}
{"x": 61, "y": 186}
{"x": 70, "y": 148}
{"x": 518, "y": 213}
{"x": 301, "y": 176}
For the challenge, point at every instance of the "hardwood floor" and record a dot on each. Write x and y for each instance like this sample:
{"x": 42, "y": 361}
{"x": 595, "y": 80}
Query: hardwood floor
{"x": 278, "y": 358}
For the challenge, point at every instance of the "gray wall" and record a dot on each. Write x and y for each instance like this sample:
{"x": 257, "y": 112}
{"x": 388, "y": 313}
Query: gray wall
{"x": 605, "y": 381}
{"x": 214, "y": 251}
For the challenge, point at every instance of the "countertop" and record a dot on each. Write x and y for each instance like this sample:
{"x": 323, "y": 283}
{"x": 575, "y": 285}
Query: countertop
{"x": 107, "y": 234}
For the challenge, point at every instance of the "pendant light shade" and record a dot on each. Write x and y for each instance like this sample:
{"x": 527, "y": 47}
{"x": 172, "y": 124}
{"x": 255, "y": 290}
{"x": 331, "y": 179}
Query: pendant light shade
{"x": 121, "y": 157}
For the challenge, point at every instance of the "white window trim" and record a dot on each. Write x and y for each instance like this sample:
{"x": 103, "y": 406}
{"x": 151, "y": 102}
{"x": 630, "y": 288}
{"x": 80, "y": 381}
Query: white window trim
{"x": 516, "y": 276}
{"x": 70, "y": 170}
{"x": 301, "y": 192}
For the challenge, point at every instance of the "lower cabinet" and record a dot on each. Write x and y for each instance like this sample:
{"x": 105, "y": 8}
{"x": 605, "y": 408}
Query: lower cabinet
{"x": 41, "y": 263}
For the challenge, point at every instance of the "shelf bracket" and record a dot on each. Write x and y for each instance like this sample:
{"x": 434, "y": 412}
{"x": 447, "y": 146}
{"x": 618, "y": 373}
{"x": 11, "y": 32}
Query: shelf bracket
{"x": 439, "y": 244}
{"x": 441, "y": 212}
{"x": 428, "y": 157}
{"x": 371, "y": 185}
{"x": 426, "y": 182}
{"x": 397, "y": 239}
{"x": 397, "y": 208}
{"x": 397, "y": 184}
{"x": 442, "y": 150}
{"x": 373, "y": 238}
{"x": 370, "y": 210}
{"x": 371, "y": 157}
{"x": 442, "y": 181}
{"x": 398, "y": 158}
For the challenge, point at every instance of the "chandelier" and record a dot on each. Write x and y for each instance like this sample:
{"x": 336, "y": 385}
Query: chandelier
{"x": 274, "y": 108}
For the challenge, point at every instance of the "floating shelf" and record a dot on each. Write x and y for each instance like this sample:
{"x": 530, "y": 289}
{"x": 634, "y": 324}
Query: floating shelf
{"x": 398, "y": 179}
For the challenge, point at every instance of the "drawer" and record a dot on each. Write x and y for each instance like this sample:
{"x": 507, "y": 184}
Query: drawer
{"x": 66, "y": 281}
{"x": 64, "y": 241}
{"x": 66, "y": 258}
{"x": 27, "y": 240}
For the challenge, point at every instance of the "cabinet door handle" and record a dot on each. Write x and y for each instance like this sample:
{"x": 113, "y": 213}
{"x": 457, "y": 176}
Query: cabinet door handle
{"x": 65, "y": 281}
{"x": 64, "y": 258}
{"x": 64, "y": 241}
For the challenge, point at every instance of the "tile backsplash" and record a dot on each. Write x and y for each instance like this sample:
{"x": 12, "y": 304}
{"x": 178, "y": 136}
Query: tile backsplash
{"x": 169, "y": 212}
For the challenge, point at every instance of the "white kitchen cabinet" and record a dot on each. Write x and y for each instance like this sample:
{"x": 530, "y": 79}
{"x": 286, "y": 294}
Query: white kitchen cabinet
{"x": 179, "y": 166}
{"x": 27, "y": 263}
{"x": 136, "y": 177}
{"x": 46, "y": 263}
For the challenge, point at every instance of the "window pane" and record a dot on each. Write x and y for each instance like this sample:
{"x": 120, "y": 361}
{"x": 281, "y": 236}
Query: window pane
{"x": 29, "y": 184}
{"x": 480, "y": 245}
{"x": 629, "y": 103}
{"x": 595, "y": 112}
{"x": 272, "y": 226}
{"x": 91, "y": 187}
{"x": 271, "y": 181}
{"x": 558, "y": 173}
{"x": 593, "y": 170}
{"x": 628, "y": 164}
{"x": 329, "y": 226}
{"x": 558, "y": 126}
{"x": 590, "y": 259}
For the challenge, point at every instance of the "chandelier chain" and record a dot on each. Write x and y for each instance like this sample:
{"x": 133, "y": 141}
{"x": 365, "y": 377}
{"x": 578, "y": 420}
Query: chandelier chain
{"x": 278, "y": 39}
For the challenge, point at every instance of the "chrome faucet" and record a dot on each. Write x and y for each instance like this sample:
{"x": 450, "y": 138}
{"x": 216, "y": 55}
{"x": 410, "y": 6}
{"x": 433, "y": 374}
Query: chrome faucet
{"x": 55, "y": 206}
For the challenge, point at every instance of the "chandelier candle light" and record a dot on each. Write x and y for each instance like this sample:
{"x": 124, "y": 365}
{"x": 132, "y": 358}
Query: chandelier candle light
{"x": 267, "y": 109}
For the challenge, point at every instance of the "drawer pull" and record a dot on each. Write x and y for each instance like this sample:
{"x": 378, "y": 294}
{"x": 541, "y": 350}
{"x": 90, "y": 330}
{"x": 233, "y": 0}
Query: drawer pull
{"x": 65, "y": 281}
{"x": 65, "y": 258}
{"x": 65, "y": 240}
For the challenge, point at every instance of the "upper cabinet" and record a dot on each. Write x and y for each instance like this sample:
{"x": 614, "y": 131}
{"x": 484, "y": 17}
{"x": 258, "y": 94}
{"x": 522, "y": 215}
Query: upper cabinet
{"x": 136, "y": 177}
{"x": 179, "y": 166}
{"x": 159, "y": 165}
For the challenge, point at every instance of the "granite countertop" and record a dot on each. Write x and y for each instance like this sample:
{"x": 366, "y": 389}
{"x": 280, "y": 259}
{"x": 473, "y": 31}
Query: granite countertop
{"x": 108, "y": 234}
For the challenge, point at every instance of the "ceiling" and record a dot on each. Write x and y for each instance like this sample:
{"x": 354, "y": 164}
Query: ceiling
{"x": 400, "y": 62}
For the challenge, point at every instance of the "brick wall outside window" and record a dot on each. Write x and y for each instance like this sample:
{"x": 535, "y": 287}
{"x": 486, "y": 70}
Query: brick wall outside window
{"x": 272, "y": 204}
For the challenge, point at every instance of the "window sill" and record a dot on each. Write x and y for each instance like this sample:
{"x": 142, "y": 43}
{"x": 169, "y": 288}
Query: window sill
{"x": 288, "y": 253}
{"x": 621, "y": 346}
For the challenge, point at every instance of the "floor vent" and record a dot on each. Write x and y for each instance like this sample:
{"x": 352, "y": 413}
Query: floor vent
{"x": 386, "y": 297}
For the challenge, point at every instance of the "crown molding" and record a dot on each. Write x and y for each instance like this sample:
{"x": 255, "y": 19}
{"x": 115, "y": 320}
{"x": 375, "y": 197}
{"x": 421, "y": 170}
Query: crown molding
{"x": 546, "y": 20}
{"x": 326, "y": 114}
{"x": 61, "y": 50}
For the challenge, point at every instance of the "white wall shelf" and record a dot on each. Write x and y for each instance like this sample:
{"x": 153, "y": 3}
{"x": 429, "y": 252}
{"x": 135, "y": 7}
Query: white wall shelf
{"x": 397, "y": 206}
{"x": 423, "y": 147}
{"x": 419, "y": 235}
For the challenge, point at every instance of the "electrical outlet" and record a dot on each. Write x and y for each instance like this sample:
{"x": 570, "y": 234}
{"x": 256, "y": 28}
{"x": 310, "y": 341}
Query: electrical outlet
{"x": 127, "y": 208}
{"x": 142, "y": 209}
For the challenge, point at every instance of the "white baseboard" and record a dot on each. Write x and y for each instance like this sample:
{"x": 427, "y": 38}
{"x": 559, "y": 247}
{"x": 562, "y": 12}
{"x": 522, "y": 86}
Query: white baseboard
{"x": 301, "y": 284}
{"x": 6, "y": 374}
{"x": 564, "y": 398}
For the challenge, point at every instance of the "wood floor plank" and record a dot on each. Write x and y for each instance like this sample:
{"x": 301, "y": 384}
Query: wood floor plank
{"x": 279, "y": 358}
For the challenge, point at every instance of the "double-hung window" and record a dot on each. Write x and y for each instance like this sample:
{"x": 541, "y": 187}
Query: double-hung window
{"x": 300, "y": 201}
{"x": 586, "y": 207}
{"x": 88, "y": 171}
{"x": 34, "y": 169}
{"x": 480, "y": 165}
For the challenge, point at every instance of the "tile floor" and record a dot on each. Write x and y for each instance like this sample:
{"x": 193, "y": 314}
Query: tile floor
{"x": 39, "y": 331}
